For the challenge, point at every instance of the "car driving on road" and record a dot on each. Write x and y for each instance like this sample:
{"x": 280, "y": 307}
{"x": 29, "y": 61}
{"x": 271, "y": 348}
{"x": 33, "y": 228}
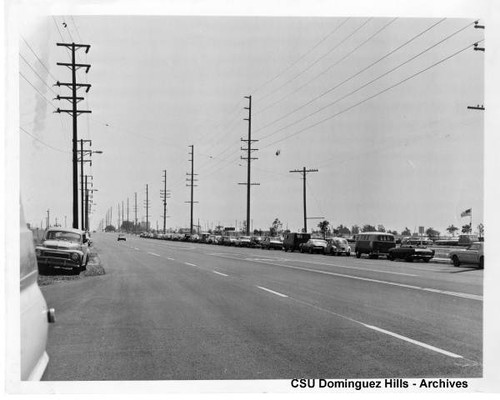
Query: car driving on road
{"x": 474, "y": 254}
{"x": 121, "y": 236}
{"x": 63, "y": 250}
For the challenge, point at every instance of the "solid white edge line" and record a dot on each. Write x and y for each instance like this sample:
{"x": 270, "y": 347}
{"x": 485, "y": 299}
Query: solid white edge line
{"x": 154, "y": 254}
{"x": 219, "y": 273}
{"x": 406, "y": 339}
{"x": 192, "y": 265}
{"x": 272, "y": 291}
{"x": 170, "y": 258}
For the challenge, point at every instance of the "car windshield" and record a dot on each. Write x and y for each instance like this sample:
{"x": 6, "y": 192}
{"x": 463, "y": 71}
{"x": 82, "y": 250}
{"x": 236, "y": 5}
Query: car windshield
{"x": 64, "y": 235}
{"x": 318, "y": 241}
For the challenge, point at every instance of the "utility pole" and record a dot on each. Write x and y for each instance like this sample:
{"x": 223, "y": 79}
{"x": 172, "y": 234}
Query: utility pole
{"x": 128, "y": 220}
{"x": 85, "y": 224}
{"x": 123, "y": 213}
{"x": 135, "y": 212}
{"x": 48, "y": 219}
{"x": 146, "y": 205}
{"x": 118, "y": 216}
{"x": 304, "y": 171}
{"x": 249, "y": 159}
{"x": 192, "y": 185}
{"x": 74, "y": 112}
{"x": 164, "y": 194}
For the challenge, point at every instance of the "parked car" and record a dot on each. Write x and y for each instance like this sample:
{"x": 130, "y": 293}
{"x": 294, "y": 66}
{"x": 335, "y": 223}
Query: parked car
{"x": 270, "y": 242}
{"x": 410, "y": 250}
{"x": 121, "y": 236}
{"x": 256, "y": 241}
{"x": 35, "y": 315}
{"x": 338, "y": 246}
{"x": 313, "y": 246}
{"x": 63, "y": 250}
{"x": 228, "y": 241}
{"x": 374, "y": 244}
{"x": 244, "y": 241}
{"x": 474, "y": 254}
{"x": 293, "y": 240}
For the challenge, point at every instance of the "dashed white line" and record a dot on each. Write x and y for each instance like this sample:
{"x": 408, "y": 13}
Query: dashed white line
{"x": 154, "y": 254}
{"x": 272, "y": 291}
{"x": 219, "y": 273}
{"x": 170, "y": 258}
{"x": 192, "y": 265}
{"x": 135, "y": 248}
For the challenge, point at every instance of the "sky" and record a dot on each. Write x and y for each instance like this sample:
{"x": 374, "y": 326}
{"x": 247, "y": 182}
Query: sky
{"x": 378, "y": 105}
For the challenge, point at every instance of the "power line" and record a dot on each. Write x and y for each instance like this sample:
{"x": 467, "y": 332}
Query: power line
{"x": 36, "y": 73}
{"x": 301, "y": 57}
{"x": 57, "y": 26}
{"x": 40, "y": 93}
{"x": 365, "y": 85}
{"x": 373, "y": 96}
{"x": 320, "y": 74}
{"x": 38, "y": 58}
{"x": 42, "y": 142}
{"x": 319, "y": 59}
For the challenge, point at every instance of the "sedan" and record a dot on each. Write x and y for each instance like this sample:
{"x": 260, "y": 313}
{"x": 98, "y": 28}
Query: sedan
{"x": 411, "y": 252}
{"x": 272, "y": 243}
{"x": 474, "y": 254}
{"x": 338, "y": 246}
{"x": 313, "y": 246}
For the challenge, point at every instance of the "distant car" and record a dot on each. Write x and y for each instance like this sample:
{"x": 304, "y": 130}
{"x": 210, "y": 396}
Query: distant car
{"x": 244, "y": 241}
{"x": 228, "y": 241}
{"x": 293, "y": 240}
{"x": 474, "y": 254}
{"x": 63, "y": 250}
{"x": 35, "y": 315}
{"x": 256, "y": 241}
{"x": 338, "y": 246}
{"x": 121, "y": 236}
{"x": 274, "y": 243}
{"x": 410, "y": 250}
{"x": 313, "y": 246}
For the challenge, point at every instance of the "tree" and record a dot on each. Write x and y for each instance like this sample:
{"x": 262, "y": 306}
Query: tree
{"x": 480, "y": 229}
{"x": 342, "y": 230}
{"x": 257, "y": 232}
{"x": 452, "y": 229}
{"x": 324, "y": 227}
{"x": 395, "y": 233}
{"x": 368, "y": 228}
{"x": 127, "y": 226}
{"x": 466, "y": 228}
{"x": 432, "y": 233}
{"x": 110, "y": 228}
{"x": 276, "y": 227}
{"x": 380, "y": 228}
{"x": 355, "y": 229}
{"x": 406, "y": 232}
{"x": 218, "y": 229}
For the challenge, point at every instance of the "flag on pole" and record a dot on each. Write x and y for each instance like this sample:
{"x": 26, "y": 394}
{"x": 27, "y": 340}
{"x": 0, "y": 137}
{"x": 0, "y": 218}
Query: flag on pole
{"x": 466, "y": 213}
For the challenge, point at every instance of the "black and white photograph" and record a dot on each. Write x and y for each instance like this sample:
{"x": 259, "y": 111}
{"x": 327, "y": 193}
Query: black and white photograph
{"x": 250, "y": 198}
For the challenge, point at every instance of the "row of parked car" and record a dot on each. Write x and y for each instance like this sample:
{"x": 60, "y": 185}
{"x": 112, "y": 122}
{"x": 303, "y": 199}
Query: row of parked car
{"x": 373, "y": 244}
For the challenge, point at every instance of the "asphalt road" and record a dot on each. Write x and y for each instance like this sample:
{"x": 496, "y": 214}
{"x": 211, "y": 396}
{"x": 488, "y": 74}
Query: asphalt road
{"x": 181, "y": 311}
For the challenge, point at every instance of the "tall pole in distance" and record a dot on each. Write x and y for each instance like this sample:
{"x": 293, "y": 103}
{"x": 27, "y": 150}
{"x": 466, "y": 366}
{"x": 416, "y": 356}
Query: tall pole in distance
{"x": 135, "y": 212}
{"x": 249, "y": 159}
{"x": 191, "y": 180}
{"x": 147, "y": 209}
{"x": 86, "y": 223}
{"x": 127, "y": 211}
{"x": 304, "y": 171}
{"x": 164, "y": 194}
{"x": 74, "y": 99}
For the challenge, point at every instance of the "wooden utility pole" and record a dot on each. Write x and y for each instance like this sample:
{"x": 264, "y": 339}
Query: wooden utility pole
{"x": 191, "y": 181}
{"x": 304, "y": 171}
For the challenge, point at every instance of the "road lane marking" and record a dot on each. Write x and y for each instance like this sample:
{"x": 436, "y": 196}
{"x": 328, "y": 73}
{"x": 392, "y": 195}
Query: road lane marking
{"x": 219, "y": 273}
{"x": 401, "y": 337}
{"x": 445, "y": 292}
{"x": 272, "y": 291}
{"x": 154, "y": 254}
{"x": 135, "y": 248}
{"x": 170, "y": 258}
{"x": 359, "y": 268}
{"x": 416, "y": 342}
{"x": 192, "y": 265}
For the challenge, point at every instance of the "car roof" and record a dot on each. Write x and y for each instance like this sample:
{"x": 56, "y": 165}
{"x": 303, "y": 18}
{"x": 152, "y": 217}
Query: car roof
{"x": 72, "y": 230}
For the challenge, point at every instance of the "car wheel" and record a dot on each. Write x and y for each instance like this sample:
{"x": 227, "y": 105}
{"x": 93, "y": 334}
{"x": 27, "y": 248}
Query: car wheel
{"x": 427, "y": 260}
{"x": 409, "y": 259}
{"x": 481, "y": 262}
{"x": 310, "y": 250}
{"x": 456, "y": 261}
{"x": 285, "y": 249}
{"x": 390, "y": 257}
{"x": 301, "y": 249}
{"x": 358, "y": 254}
{"x": 76, "y": 271}
{"x": 348, "y": 254}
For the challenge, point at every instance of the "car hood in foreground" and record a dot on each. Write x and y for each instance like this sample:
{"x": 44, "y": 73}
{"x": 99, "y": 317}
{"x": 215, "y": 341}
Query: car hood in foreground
{"x": 60, "y": 244}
